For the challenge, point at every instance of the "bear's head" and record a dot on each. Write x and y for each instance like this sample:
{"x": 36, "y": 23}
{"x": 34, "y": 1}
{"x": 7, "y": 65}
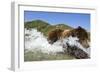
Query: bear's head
{"x": 82, "y": 35}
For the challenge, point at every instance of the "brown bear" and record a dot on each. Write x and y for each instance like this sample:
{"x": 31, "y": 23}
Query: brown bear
{"x": 54, "y": 35}
{"x": 79, "y": 32}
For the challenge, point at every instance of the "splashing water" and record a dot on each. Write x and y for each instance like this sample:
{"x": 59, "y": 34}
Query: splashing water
{"x": 73, "y": 41}
{"x": 35, "y": 40}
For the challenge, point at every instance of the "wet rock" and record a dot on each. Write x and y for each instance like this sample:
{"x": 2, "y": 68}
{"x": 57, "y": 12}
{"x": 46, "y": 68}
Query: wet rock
{"x": 76, "y": 52}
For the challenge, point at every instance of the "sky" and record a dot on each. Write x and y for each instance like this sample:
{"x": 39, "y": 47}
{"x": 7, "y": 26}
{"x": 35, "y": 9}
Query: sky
{"x": 71, "y": 19}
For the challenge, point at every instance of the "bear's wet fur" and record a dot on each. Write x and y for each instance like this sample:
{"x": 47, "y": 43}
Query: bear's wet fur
{"x": 78, "y": 32}
{"x": 54, "y": 35}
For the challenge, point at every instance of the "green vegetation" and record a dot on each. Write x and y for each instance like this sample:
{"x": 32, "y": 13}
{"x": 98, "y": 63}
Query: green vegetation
{"x": 43, "y": 26}
{"x": 39, "y": 56}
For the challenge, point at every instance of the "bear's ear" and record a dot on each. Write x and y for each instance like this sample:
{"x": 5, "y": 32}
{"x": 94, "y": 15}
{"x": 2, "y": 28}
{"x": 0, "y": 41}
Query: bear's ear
{"x": 79, "y": 27}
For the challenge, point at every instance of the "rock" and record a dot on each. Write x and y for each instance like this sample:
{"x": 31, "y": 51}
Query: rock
{"x": 76, "y": 52}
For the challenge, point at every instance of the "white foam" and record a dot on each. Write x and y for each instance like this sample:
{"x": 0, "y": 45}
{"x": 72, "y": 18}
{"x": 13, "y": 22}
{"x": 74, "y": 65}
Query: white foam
{"x": 35, "y": 40}
{"x": 73, "y": 41}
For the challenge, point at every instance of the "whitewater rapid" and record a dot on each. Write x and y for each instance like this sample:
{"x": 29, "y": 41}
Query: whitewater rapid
{"x": 35, "y": 40}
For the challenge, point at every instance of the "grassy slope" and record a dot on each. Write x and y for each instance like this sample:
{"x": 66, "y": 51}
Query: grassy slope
{"x": 44, "y": 27}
